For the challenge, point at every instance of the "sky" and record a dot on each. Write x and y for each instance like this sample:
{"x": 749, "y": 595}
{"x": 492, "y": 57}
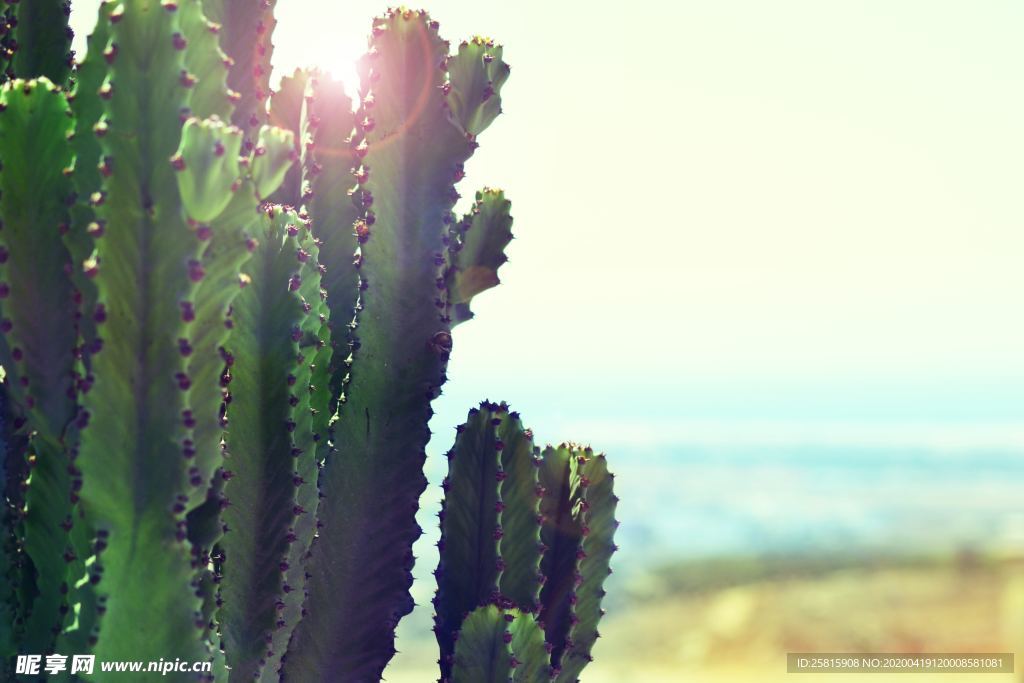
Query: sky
{"x": 738, "y": 212}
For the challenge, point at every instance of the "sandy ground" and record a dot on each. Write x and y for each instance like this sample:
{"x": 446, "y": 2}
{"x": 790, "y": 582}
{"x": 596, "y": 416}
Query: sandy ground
{"x": 743, "y": 632}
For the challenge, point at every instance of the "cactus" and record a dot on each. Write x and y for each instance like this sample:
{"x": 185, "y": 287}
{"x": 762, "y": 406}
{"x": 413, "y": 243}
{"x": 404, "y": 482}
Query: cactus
{"x": 278, "y": 354}
{"x": 221, "y": 339}
{"x": 498, "y": 646}
{"x": 526, "y": 541}
{"x": 35, "y": 40}
{"x": 417, "y": 130}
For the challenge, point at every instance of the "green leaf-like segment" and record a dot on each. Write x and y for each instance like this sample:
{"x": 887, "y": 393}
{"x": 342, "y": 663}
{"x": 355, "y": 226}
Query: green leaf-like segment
{"x": 43, "y": 40}
{"x": 414, "y": 145}
{"x": 330, "y": 157}
{"x": 477, "y": 246}
{"x": 37, "y": 308}
{"x": 87, "y": 108}
{"x": 246, "y": 28}
{"x": 499, "y": 646}
{"x": 490, "y": 533}
{"x": 578, "y": 508}
{"x": 286, "y": 111}
{"x": 205, "y": 62}
{"x": 597, "y": 517}
{"x": 144, "y": 457}
{"x": 277, "y": 347}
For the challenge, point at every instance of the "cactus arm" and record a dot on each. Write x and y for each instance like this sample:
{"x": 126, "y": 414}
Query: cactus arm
{"x": 597, "y": 515}
{"x": 560, "y": 534}
{"x": 500, "y": 646}
{"x": 87, "y": 108}
{"x": 286, "y": 111}
{"x": 482, "y": 654}
{"x": 468, "y": 571}
{"x": 490, "y": 534}
{"x": 245, "y": 37}
{"x": 210, "y": 95}
{"x": 37, "y": 352}
{"x": 44, "y": 40}
{"x": 307, "y": 495}
{"x": 529, "y": 649}
{"x": 38, "y": 357}
{"x": 414, "y": 151}
{"x": 270, "y": 443}
{"x": 477, "y": 73}
{"x": 519, "y": 547}
{"x": 146, "y": 266}
{"x": 578, "y": 507}
{"x": 329, "y": 158}
{"x": 478, "y": 245}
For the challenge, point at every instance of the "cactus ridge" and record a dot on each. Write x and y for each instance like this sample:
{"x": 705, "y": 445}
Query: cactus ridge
{"x": 87, "y": 107}
{"x": 331, "y": 166}
{"x": 37, "y": 351}
{"x": 279, "y": 346}
{"x": 596, "y": 546}
{"x": 205, "y": 62}
{"x": 287, "y": 105}
{"x": 578, "y": 507}
{"x": 245, "y": 29}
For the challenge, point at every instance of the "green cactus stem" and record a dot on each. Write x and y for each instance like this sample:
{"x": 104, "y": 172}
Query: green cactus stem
{"x": 500, "y": 646}
{"x": 578, "y": 507}
{"x": 87, "y": 108}
{"x": 277, "y": 420}
{"x": 330, "y": 153}
{"x": 477, "y": 245}
{"x": 37, "y": 351}
{"x": 245, "y": 31}
{"x": 41, "y": 39}
{"x": 287, "y": 106}
{"x": 490, "y": 529}
{"x": 414, "y": 145}
{"x": 156, "y": 391}
{"x": 205, "y": 62}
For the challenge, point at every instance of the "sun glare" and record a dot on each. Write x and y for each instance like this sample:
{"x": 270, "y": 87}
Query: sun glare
{"x": 320, "y": 35}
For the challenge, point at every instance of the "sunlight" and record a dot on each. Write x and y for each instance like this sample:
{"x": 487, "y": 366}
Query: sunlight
{"x": 336, "y": 51}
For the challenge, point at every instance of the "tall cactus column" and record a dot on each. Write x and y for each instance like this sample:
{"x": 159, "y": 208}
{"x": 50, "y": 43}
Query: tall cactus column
{"x": 144, "y": 460}
{"x": 418, "y": 129}
{"x": 38, "y": 346}
{"x": 277, "y": 432}
{"x": 35, "y": 39}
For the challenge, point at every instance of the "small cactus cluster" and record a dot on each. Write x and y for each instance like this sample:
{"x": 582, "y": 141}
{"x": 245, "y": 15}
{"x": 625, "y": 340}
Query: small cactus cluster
{"x": 526, "y": 541}
{"x": 224, "y": 315}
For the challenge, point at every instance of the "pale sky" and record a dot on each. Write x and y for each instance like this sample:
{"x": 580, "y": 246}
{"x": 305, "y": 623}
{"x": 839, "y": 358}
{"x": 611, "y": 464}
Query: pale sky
{"x": 799, "y": 210}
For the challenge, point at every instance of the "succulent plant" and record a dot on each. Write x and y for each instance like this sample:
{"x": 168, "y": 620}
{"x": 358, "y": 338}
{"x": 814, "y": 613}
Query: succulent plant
{"x": 526, "y": 542}
{"x": 224, "y": 315}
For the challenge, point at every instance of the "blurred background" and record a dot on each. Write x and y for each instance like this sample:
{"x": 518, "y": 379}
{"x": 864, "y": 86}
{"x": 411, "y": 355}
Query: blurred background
{"x": 769, "y": 260}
